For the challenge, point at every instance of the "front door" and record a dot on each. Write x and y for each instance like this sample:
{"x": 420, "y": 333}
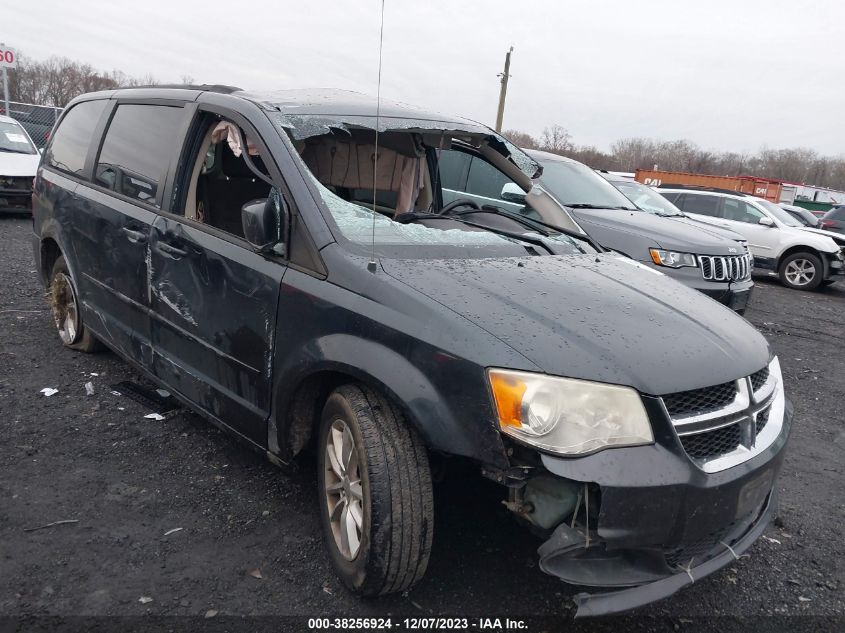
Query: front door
{"x": 213, "y": 297}
{"x": 744, "y": 218}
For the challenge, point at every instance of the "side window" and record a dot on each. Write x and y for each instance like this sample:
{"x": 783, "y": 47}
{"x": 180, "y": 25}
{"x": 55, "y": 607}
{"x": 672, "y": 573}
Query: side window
{"x": 672, "y": 196}
{"x": 485, "y": 180}
{"x": 137, "y": 150}
{"x": 703, "y": 205}
{"x": 740, "y": 211}
{"x": 453, "y": 167}
{"x": 71, "y": 140}
{"x": 219, "y": 181}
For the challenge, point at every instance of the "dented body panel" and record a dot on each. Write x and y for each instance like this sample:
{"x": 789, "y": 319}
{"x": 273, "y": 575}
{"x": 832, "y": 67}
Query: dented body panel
{"x": 213, "y": 309}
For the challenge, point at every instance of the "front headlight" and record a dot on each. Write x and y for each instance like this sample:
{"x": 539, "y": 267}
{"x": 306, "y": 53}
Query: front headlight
{"x": 672, "y": 259}
{"x": 568, "y": 416}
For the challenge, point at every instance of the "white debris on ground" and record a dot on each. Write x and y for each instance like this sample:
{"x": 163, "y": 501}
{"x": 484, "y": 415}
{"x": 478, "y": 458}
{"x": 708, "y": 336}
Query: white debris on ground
{"x": 49, "y": 391}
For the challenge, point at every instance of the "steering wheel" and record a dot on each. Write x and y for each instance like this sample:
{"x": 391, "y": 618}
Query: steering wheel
{"x": 460, "y": 202}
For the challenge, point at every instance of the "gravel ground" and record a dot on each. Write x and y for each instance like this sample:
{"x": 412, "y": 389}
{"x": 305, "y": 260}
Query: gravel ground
{"x": 249, "y": 542}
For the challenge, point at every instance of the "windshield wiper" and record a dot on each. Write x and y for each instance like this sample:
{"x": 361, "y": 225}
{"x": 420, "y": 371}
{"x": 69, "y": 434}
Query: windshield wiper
{"x": 530, "y": 223}
{"x": 584, "y": 205}
{"x": 534, "y": 224}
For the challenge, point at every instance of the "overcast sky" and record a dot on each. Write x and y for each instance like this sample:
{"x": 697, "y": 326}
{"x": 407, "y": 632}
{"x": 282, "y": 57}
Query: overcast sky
{"x": 728, "y": 75}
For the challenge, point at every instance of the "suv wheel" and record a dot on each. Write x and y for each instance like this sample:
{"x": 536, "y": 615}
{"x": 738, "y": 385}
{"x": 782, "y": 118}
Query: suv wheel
{"x": 375, "y": 493}
{"x": 66, "y": 314}
{"x": 802, "y": 271}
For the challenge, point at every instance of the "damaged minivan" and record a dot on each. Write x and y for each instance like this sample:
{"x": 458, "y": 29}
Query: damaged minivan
{"x": 285, "y": 264}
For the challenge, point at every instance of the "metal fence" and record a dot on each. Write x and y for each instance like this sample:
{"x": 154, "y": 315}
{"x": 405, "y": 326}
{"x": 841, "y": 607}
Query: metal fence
{"x": 38, "y": 120}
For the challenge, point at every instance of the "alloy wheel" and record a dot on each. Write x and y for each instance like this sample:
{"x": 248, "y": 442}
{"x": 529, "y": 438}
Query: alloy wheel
{"x": 65, "y": 308}
{"x": 800, "y": 272}
{"x": 343, "y": 490}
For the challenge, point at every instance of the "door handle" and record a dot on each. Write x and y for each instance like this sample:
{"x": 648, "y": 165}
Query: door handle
{"x": 136, "y": 237}
{"x": 168, "y": 249}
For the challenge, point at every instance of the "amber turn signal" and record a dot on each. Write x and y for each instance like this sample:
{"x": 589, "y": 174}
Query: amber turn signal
{"x": 508, "y": 392}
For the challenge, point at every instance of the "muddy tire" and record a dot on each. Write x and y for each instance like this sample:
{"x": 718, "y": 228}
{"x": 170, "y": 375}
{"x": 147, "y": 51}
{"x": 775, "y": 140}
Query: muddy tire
{"x": 801, "y": 271}
{"x": 375, "y": 496}
{"x": 67, "y": 316}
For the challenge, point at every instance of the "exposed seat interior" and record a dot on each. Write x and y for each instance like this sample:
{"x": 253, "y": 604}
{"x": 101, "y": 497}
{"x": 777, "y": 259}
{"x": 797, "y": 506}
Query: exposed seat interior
{"x": 224, "y": 183}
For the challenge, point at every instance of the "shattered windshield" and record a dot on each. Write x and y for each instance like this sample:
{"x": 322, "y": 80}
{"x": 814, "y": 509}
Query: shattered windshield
{"x": 360, "y": 225}
{"x": 350, "y": 167}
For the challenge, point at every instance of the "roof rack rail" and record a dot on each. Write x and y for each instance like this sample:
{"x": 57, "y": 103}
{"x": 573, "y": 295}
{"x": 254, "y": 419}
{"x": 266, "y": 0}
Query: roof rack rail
{"x": 667, "y": 185}
{"x": 203, "y": 87}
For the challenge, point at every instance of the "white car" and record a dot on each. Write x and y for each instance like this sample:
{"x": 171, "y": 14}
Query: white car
{"x": 801, "y": 257}
{"x": 19, "y": 160}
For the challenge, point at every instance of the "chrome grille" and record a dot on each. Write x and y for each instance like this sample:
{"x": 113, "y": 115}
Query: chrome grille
{"x": 762, "y": 420}
{"x": 712, "y": 443}
{"x": 759, "y": 378}
{"x": 719, "y": 426}
{"x": 728, "y": 268}
{"x": 698, "y": 400}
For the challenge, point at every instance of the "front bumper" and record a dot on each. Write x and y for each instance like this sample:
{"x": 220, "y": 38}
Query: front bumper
{"x": 734, "y": 294}
{"x": 836, "y": 265}
{"x": 16, "y": 198}
{"x": 662, "y": 524}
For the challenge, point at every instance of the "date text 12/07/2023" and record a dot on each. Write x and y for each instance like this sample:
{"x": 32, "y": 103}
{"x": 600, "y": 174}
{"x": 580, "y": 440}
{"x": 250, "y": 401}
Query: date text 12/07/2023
{"x": 417, "y": 624}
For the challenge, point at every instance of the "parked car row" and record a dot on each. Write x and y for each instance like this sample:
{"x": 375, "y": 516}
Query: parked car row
{"x": 392, "y": 289}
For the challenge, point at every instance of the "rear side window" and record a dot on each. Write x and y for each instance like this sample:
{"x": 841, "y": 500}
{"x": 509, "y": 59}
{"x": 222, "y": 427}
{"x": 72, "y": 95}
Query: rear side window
{"x": 671, "y": 196}
{"x": 837, "y": 213}
{"x": 137, "y": 150}
{"x": 71, "y": 140}
{"x": 703, "y": 205}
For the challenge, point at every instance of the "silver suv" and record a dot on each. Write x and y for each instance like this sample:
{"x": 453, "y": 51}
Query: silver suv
{"x": 802, "y": 258}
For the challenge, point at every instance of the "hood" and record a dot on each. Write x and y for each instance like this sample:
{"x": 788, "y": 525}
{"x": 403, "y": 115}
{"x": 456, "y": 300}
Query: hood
{"x": 14, "y": 164}
{"x": 839, "y": 238}
{"x": 603, "y": 318}
{"x": 608, "y": 227}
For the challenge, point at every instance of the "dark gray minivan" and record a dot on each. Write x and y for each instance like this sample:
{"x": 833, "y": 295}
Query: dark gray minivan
{"x": 284, "y": 263}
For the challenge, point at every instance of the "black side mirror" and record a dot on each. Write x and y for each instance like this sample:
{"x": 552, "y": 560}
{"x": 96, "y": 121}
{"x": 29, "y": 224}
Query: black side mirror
{"x": 265, "y": 223}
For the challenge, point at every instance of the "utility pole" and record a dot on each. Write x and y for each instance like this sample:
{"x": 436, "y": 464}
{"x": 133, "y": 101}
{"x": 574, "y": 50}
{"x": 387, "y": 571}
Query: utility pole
{"x": 503, "y": 91}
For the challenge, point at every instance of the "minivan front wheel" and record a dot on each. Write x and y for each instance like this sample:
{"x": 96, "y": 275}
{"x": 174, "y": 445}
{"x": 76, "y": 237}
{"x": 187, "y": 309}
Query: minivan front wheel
{"x": 375, "y": 493}
{"x": 801, "y": 271}
{"x": 64, "y": 304}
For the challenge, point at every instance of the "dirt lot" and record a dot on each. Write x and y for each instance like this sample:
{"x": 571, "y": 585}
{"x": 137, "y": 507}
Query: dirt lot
{"x": 128, "y": 481}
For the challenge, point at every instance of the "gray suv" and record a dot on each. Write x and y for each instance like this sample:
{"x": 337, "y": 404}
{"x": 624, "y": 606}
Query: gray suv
{"x": 712, "y": 260}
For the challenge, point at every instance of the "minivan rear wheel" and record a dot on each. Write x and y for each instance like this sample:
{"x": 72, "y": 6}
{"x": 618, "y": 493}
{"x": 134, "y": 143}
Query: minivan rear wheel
{"x": 375, "y": 493}
{"x": 801, "y": 271}
{"x": 64, "y": 303}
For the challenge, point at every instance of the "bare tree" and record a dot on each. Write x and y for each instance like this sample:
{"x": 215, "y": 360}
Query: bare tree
{"x": 57, "y": 80}
{"x": 556, "y": 139}
{"x": 521, "y": 139}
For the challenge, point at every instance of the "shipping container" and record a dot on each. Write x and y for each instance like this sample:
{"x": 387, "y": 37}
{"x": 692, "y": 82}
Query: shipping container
{"x": 760, "y": 187}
